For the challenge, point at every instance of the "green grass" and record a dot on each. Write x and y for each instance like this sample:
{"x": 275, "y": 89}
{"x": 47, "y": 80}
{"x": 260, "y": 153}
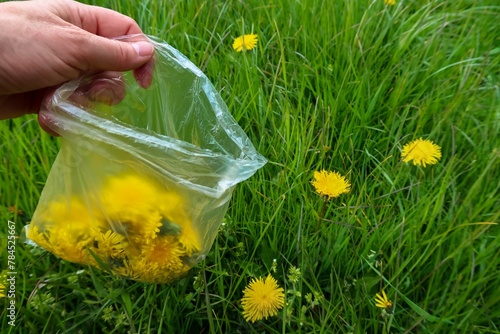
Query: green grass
{"x": 336, "y": 85}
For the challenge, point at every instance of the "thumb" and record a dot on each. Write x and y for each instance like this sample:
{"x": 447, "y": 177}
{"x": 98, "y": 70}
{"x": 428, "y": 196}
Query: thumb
{"x": 105, "y": 54}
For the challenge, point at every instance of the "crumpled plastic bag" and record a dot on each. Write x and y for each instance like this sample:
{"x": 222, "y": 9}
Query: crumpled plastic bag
{"x": 144, "y": 176}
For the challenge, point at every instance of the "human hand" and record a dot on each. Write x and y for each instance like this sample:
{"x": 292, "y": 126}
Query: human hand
{"x": 46, "y": 43}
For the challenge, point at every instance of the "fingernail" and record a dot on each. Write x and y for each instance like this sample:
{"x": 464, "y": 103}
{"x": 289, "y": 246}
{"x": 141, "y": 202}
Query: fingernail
{"x": 143, "y": 48}
{"x": 144, "y": 74}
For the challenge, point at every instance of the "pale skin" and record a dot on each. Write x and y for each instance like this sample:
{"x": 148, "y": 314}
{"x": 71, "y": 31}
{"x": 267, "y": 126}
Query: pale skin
{"x": 44, "y": 43}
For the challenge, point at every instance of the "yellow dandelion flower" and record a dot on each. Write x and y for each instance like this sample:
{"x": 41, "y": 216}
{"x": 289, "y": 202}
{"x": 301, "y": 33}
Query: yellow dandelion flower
{"x": 177, "y": 222}
{"x": 422, "y": 152}
{"x": 130, "y": 206}
{"x": 189, "y": 239}
{"x": 172, "y": 208}
{"x": 160, "y": 262}
{"x": 262, "y": 298}
{"x": 382, "y": 301}
{"x": 139, "y": 228}
{"x": 61, "y": 242}
{"x": 39, "y": 237}
{"x": 2, "y": 290}
{"x": 165, "y": 252}
{"x": 71, "y": 214}
{"x": 64, "y": 228}
{"x": 68, "y": 246}
{"x": 330, "y": 184}
{"x": 390, "y": 2}
{"x": 245, "y": 42}
{"x": 126, "y": 271}
{"x": 170, "y": 203}
{"x": 110, "y": 245}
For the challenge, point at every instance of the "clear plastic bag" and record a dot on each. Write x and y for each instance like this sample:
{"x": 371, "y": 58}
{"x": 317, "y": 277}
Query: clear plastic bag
{"x": 141, "y": 186}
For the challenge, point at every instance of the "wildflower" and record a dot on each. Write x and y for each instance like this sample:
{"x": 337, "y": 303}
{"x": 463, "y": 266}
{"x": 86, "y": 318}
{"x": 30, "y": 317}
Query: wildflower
{"x": 63, "y": 229}
{"x": 245, "y": 42}
{"x": 131, "y": 205}
{"x": 42, "y": 300}
{"x": 108, "y": 313}
{"x": 294, "y": 274}
{"x": 71, "y": 213}
{"x": 382, "y": 301}
{"x": 175, "y": 221}
{"x": 262, "y": 298}
{"x": 138, "y": 228}
{"x": 110, "y": 244}
{"x": 330, "y": 184}
{"x": 274, "y": 266}
{"x": 126, "y": 270}
{"x": 190, "y": 240}
{"x": 422, "y": 152}
{"x": 390, "y": 2}
{"x": 165, "y": 252}
{"x": 160, "y": 262}
{"x": 2, "y": 290}
{"x": 313, "y": 299}
{"x": 68, "y": 245}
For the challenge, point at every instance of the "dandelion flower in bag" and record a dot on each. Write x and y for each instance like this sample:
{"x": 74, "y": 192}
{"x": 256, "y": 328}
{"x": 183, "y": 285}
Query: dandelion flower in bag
{"x": 156, "y": 226}
{"x": 150, "y": 176}
{"x": 110, "y": 245}
{"x": 160, "y": 261}
{"x": 67, "y": 230}
{"x": 132, "y": 235}
{"x": 131, "y": 206}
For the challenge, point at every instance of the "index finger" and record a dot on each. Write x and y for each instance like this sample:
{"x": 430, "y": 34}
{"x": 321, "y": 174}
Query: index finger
{"x": 100, "y": 21}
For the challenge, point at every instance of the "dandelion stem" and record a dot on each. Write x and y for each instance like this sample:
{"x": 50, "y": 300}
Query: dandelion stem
{"x": 323, "y": 211}
{"x": 209, "y": 305}
{"x": 384, "y": 329}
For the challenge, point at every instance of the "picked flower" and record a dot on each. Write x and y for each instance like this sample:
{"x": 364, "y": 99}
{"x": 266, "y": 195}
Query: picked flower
{"x": 3, "y": 285}
{"x": 422, "y": 152}
{"x": 330, "y": 184}
{"x": 382, "y": 301}
{"x": 245, "y": 42}
{"x": 262, "y": 298}
{"x": 137, "y": 228}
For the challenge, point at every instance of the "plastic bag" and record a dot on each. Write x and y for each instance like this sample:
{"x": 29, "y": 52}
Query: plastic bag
{"x": 140, "y": 188}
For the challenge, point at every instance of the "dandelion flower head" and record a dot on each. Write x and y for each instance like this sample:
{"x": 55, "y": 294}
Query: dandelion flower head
{"x": 132, "y": 199}
{"x": 245, "y": 42}
{"x": 390, "y": 2}
{"x": 160, "y": 262}
{"x": 382, "y": 301}
{"x": 71, "y": 213}
{"x": 262, "y": 298}
{"x": 176, "y": 221}
{"x": 189, "y": 239}
{"x": 330, "y": 184}
{"x": 66, "y": 232}
{"x": 422, "y": 152}
{"x": 110, "y": 244}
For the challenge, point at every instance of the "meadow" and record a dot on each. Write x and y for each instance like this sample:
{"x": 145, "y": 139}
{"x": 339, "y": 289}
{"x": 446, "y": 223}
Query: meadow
{"x": 331, "y": 85}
